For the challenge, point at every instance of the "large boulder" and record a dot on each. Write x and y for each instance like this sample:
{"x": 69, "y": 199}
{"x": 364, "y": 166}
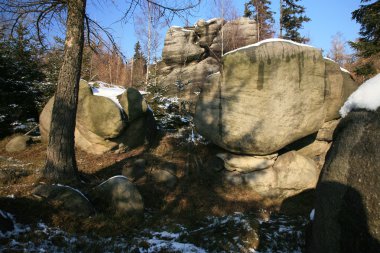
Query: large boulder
{"x": 45, "y": 116}
{"x": 290, "y": 174}
{"x": 119, "y": 196}
{"x": 349, "y": 85}
{"x": 188, "y": 79}
{"x": 208, "y": 30}
{"x": 236, "y": 33}
{"x": 18, "y": 143}
{"x": 347, "y": 209}
{"x": 180, "y": 46}
{"x": 133, "y": 104}
{"x": 101, "y": 116}
{"x": 268, "y": 96}
{"x": 339, "y": 86}
{"x": 102, "y": 125}
{"x": 334, "y": 90}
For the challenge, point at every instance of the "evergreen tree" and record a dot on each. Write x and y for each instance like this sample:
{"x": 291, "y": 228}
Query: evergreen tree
{"x": 368, "y": 45}
{"x": 138, "y": 67}
{"x": 292, "y": 17}
{"x": 260, "y": 11}
{"x": 20, "y": 77}
{"x": 138, "y": 54}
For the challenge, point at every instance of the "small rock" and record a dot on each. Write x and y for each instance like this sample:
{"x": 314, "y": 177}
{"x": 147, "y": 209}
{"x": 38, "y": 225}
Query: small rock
{"x": 136, "y": 170}
{"x": 18, "y": 143}
{"x": 164, "y": 177}
{"x": 119, "y": 196}
{"x": 70, "y": 199}
{"x": 327, "y": 130}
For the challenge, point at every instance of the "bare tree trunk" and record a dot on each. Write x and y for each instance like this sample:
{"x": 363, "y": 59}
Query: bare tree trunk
{"x": 222, "y": 13}
{"x": 149, "y": 43}
{"x": 110, "y": 68}
{"x": 133, "y": 60}
{"x": 257, "y": 21}
{"x": 60, "y": 161}
{"x": 280, "y": 19}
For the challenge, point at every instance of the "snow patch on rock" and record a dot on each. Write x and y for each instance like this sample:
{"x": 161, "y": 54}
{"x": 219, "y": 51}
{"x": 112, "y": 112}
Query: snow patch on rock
{"x": 268, "y": 41}
{"x": 367, "y": 97}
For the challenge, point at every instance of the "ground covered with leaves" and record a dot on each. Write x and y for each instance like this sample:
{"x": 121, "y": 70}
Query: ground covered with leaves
{"x": 196, "y": 214}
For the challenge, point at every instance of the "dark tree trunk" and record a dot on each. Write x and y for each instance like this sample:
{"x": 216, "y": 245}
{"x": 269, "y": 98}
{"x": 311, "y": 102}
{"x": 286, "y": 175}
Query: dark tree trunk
{"x": 60, "y": 162}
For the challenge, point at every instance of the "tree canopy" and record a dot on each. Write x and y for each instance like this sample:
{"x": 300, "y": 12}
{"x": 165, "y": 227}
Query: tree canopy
{"x": 260, "y": 11}
{"x": 292, "y": 17}
{"x": 368, "y": 45}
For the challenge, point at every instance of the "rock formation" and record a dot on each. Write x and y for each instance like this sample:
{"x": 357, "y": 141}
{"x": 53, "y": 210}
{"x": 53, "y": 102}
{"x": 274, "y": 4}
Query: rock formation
{"x": 191, "y": 54}
{"x": 275, "y": 96}
{"x": 347, "y": 210}
{"x": 282, "y": 84}
{"x": 102, "y": 126}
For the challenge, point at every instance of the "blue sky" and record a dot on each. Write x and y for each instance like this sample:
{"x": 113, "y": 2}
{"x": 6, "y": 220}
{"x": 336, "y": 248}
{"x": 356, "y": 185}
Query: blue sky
{"x": 327, "y": 18}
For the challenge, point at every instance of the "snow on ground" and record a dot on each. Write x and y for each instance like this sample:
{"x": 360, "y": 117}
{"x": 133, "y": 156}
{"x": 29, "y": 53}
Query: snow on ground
{"x": 312, "y": 214}
{"x": 107, "y": 90}
{"x": 367, "y": 96}
{"x": 267, "y": 41}
{"x": 230, "y": 233}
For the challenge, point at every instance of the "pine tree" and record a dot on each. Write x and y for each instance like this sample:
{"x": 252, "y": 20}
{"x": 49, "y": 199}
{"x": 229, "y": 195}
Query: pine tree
{"x": 20, "y": 77}
{"x": 138, "y": 67}
{"x": 291, "y": 19}
{"x": 260, "y": 11}
{"x": 368, "y": 45}
{"x": 138, "y": 54}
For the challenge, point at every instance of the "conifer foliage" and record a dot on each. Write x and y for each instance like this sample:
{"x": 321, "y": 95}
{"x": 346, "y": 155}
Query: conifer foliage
{"x": 368, "y": 45}
{"x": 20, "y": 76}
{"x": 260, "y": 11}
{"x": 292, "y": 17}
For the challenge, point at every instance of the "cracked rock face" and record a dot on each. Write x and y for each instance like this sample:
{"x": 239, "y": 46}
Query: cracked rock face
{"x": 267, "y": 96}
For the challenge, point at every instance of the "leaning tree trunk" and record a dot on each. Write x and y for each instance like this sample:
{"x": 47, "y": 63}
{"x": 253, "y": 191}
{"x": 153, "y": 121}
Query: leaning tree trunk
{"x": 60, "y": 162}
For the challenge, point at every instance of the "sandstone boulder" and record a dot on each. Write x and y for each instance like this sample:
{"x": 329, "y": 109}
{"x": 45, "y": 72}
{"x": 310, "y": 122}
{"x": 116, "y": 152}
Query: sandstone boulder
{"x": 334, "y": 90}
{"x": 236, "y": 33}
{"x": 185, "y": 80}
{"x": 164, "y": 177}
{"x": 133, "y": 104}
{"x": 347, "y": 210}
{"x": 349, "y": 85}
{"x": 100, "y": 116}
{"x": 101, "y": 125}
{"x": 291, "y": 174}
{"x": 18, "y": 143}
{"x": 267, "y": 96}
{"x": 68, "y": 198}
{"x": 208, "y": 30}
{"x": 119, "y": 196}
{"x": 180, "y": 46}
{"x": 327, "y": 130}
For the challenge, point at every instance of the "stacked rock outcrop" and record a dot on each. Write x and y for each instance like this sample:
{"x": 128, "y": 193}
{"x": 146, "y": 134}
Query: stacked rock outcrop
{"x": 191, "y": 54}
{"x": 276, "y": 98}
{"x": 101, "y": 125}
